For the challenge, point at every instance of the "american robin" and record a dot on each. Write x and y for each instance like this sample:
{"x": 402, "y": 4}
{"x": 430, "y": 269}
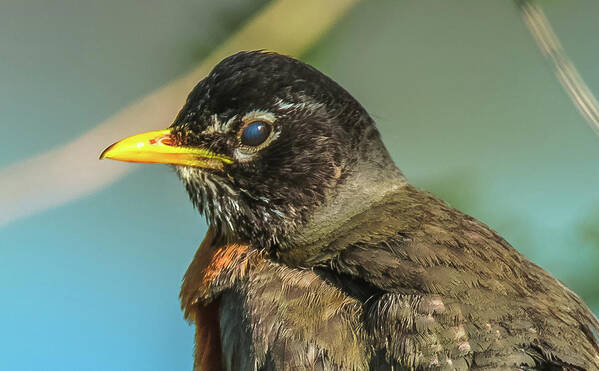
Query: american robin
{"x": 320, "y": 255}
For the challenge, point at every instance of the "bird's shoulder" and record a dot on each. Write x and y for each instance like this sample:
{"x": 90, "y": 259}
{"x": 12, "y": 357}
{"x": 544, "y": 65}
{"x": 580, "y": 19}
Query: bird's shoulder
{"x": 441, "y": 287}
{"x": 251, "y": 311}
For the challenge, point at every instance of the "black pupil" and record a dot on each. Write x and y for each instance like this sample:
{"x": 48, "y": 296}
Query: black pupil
{"x": 255, "y": 133}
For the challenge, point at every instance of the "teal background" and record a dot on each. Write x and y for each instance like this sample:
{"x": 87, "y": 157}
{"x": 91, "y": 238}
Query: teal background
{"x": 466, "y": 103}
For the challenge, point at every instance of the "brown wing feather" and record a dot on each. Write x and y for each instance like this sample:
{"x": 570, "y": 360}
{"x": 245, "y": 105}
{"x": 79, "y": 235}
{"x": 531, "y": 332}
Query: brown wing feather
{"x": 455, "y": 290}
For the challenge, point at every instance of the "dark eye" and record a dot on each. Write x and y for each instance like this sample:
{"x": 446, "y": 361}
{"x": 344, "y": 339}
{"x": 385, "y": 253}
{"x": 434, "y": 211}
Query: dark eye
{"x": 255, "y": 133}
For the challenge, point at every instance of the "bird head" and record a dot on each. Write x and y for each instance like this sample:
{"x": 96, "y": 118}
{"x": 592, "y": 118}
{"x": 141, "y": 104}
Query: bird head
{"x": 265, "y": 143}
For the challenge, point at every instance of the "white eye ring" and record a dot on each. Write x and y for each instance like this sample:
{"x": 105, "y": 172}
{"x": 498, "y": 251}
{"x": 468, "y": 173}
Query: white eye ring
{"x": 246, "y": 152}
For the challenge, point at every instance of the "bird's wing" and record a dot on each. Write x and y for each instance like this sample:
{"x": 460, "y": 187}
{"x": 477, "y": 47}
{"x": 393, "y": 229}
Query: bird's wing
{"x": 442, "y": 289}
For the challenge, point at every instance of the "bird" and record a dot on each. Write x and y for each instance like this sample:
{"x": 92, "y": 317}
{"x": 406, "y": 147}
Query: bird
{"x": 320, "y": 255}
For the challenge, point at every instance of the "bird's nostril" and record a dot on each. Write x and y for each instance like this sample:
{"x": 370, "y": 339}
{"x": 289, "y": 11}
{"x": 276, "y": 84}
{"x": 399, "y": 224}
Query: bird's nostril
{"x": 166, "y": 140}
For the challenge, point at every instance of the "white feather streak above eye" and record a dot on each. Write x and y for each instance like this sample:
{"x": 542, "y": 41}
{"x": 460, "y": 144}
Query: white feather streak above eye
{"x": 303, "y": 106}
{"x": 259, "y": 115}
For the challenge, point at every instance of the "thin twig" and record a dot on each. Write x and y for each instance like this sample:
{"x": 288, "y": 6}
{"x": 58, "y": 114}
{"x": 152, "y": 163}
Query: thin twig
{"x": 566, "y": 72}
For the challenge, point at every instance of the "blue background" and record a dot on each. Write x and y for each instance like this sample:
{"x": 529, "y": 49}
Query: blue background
{"x": 466, "y": 103}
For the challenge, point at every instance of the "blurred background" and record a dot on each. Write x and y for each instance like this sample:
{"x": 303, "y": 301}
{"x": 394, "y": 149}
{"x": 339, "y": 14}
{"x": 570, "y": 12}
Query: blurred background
{"x": 92, "y": 253}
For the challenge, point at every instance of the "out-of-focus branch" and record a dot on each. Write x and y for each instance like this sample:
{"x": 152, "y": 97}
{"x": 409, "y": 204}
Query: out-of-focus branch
{"x": 573, "y": 84}
{"x": 73, "y": 170}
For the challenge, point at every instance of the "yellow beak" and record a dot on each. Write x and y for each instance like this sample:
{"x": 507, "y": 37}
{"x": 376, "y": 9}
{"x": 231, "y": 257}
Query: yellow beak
{"x": 158, "y": 147}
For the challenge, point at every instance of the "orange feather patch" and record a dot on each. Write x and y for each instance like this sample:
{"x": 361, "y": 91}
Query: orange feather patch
{"x": 209, "y": 262}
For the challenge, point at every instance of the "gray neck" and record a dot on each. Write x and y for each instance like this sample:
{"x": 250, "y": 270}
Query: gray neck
{"x": 368, "y": 182}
